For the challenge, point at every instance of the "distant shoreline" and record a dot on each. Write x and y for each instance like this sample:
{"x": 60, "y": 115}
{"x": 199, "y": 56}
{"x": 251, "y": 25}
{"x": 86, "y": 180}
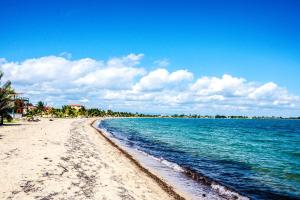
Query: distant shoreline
{"x": 249, "y": 118}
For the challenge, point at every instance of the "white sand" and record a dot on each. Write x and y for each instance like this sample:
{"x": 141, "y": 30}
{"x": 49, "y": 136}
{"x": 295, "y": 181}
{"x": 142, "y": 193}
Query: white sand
{"x": 68, "y": 159}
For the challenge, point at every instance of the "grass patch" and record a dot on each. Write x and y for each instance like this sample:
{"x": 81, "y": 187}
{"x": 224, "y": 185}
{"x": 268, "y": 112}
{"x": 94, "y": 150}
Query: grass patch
{"x": 11, "y": 122}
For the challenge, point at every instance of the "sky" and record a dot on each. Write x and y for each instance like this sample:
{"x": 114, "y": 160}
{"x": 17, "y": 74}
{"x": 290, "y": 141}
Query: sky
{"x": 199, "y": 57}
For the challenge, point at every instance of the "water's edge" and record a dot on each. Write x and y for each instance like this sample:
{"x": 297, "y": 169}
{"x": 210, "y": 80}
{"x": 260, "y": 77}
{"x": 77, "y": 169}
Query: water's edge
{"x": 169, "y": 189}
{"x": 186, "y": 181}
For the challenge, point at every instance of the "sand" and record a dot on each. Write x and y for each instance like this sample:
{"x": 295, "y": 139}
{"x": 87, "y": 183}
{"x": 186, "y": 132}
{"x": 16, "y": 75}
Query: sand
{"x": 68, "y": 159}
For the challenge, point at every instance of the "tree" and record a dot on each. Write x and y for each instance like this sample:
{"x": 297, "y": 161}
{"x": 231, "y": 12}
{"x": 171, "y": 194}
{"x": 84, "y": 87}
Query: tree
{"x": 110, "y": 113}
{"x": 56, "y": 112}
{"x": 40, "y": 106}
{"x": 68, "y": 111}
{"x": 82, "y": 111}
{"x": 6, "y": 103}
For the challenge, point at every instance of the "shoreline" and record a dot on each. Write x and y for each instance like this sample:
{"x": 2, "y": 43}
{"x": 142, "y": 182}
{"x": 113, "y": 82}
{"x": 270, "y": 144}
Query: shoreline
{"x": 223, "y": 192}
{"x": 165, "y": 186}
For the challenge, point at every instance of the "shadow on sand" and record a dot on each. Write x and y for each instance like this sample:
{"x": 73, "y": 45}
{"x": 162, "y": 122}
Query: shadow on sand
{"x": 3, "y": 125}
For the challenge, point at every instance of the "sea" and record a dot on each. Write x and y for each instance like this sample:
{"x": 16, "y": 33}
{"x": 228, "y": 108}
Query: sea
{"x": 216, "y": 158}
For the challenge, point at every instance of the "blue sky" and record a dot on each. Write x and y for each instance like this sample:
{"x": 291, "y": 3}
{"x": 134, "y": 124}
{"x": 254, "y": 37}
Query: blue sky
{"x": 255, "y": 40}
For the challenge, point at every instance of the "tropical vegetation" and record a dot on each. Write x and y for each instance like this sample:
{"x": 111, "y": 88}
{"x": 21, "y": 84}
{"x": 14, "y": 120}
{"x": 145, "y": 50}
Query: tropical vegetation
{"x": 6, "y": 103}
{"x": 69, "y": 111}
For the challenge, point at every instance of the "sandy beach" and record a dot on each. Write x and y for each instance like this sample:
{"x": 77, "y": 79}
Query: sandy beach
{"x": 69, "y": 159}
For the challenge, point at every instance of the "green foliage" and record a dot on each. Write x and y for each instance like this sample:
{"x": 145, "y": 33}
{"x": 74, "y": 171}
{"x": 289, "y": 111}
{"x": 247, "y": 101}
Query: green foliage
{"x": 220, "y": 117}
{"x": 56, "y": 112}
{"x": 68, "y": 111}
{"x": 6, "y": 104}
{"x": 82, "y": 112}
{"x": 40, "y": 106}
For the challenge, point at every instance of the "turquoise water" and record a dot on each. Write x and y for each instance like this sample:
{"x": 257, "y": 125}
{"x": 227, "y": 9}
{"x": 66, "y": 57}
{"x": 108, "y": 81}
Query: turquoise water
{"x": 256, "y": 158}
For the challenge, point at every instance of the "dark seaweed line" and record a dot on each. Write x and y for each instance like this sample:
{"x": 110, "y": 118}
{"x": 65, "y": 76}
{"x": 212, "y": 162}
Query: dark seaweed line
{"x": 196, "y": 176}
{"x": 166, "y": 187}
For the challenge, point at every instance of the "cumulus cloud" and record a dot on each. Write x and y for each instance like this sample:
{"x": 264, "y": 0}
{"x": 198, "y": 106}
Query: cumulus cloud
{"x": 121, "y": 83}
{"x": 160, "y": 79}
{"x": 227, "y": 86}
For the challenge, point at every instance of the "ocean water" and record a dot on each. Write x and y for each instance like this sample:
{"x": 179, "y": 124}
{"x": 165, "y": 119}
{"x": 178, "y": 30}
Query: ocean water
{"x": 259, "y": 159}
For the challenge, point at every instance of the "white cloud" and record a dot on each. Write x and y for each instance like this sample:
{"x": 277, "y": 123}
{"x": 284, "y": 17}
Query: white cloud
{"x": 104, "y": 78}
{"x": 123, "y": 84}
{"x": 162, "y": 63}
{"x": 50, "y": 68}
{"x": 129, "y": 60}
{"x": 227, "y": 85}
{"x": 160, "y": 78}
{"x": 267, "y": 90}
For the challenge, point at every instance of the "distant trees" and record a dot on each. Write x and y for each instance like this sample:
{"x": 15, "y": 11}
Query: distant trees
{"x": 56, "y": 112}
{"x": 75, "y": 111}
{"x": 220, "y": 117}
{"x": 40, "y": 107}
{"x": 82, "y": 111}
{"x": 95, "y": 112}
{"x": 6, "y": 103}
{"x": 69, "y": 111}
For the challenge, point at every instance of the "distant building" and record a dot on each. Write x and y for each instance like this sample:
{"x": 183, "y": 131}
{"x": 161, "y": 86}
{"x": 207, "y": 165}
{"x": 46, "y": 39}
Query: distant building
{"x": 76, "y": 106}
{"x": 47, "y": 108}
{"x": 31, "y": 107}
{"x": 28, "y": 108}
{"x": 20, "y": 104}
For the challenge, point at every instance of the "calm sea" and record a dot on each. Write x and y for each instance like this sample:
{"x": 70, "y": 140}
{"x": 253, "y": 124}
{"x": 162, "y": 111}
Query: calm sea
{"x": 256, "y": 158}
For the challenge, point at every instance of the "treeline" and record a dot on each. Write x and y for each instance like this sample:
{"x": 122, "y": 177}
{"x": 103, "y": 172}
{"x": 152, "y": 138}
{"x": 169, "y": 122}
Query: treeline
{"x": 6, "y": 92}
{"x": 209, "y": 116}
{"x": 226, "y": 117}
{"x": 69, "y": 111}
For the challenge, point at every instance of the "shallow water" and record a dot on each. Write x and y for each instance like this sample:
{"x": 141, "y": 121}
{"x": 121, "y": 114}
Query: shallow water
{"x": 256, "y": 158}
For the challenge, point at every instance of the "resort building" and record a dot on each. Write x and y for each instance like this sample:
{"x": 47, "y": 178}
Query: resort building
{"x": 76, "y": 106}
{"x": 20, "y": 105}
{"x": 31, "y": 107}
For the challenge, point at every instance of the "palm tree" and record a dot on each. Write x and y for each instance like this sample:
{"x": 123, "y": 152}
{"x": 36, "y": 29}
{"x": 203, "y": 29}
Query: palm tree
{"x": 6, "y": 103}
{"x": 40, "y": 107}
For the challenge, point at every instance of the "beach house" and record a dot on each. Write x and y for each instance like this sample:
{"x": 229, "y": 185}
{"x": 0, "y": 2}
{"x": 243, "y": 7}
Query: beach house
{"x": 19, "y": 104}
{"x": 76, "y": 106}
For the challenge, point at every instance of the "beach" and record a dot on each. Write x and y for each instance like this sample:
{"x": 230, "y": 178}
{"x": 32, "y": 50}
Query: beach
{"x": 69, "y": 159}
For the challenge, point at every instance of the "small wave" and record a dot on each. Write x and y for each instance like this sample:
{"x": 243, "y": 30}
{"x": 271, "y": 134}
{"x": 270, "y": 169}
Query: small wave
{"x": 221, "y": 190}
{"x": 227, "y": 193}
{"x": 169, "y": 164}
